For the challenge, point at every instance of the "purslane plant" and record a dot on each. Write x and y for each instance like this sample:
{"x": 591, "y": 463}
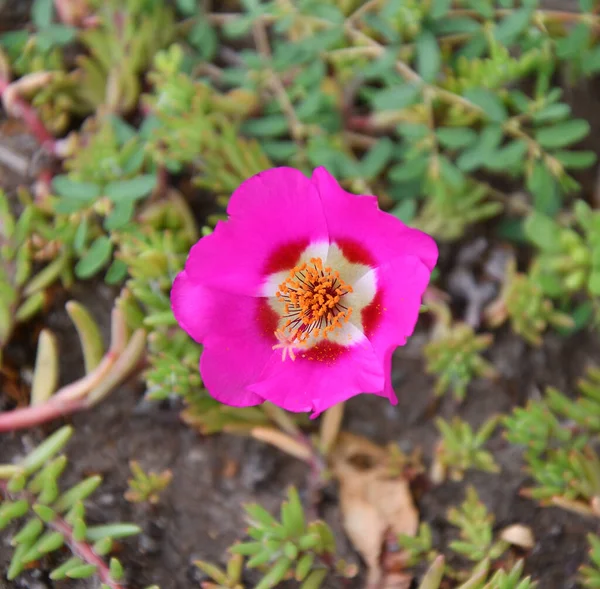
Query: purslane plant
{"x": 52, "y": 518}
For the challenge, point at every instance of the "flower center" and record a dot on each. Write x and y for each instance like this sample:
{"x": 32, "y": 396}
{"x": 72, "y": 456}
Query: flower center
{"x": 313, "y": 304}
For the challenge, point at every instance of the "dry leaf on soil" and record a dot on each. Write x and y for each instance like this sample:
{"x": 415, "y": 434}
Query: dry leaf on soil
{"x": 375, "y": 504}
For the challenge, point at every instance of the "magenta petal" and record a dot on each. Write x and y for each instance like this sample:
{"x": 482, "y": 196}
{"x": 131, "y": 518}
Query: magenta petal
{"x": 228, "y": 368}
{"x": 267, "y": 212}
{"x": 402, "y": 283}
{"x": 388, "y": 389}
{"x": 351, "y": 217}
{"x": 237, "y": 345}
{"x": 192, "y": 306}
{"x": 309, "y": 385}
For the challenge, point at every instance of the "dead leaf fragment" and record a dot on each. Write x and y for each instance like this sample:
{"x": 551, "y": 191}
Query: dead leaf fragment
{"x": 375, "y": 503}
{"x": 518, "y": 535}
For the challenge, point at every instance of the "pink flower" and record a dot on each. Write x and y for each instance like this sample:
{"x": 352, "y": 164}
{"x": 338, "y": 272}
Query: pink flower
{"x": 301, "y": 297}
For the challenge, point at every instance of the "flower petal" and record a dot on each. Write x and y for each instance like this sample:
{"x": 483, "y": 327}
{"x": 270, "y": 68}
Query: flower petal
{"x": 273, "y": 217}
{"x": 388, "y": 389}
{"x": 228, "y": 369}
{"x": 401, "y": 284}
{"x": 351, "y": 217}
{"x": 237, "y": 333}
{"x": 317, "y": 383}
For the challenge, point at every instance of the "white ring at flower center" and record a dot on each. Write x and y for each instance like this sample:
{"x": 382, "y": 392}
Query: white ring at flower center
{"x": 361, "y": 277}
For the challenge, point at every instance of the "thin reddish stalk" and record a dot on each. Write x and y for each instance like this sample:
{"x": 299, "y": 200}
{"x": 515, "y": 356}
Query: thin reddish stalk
{"x": 68, "y": 400}
{"x": 37, "y": 415}
{"x": 84, "y": 551}
{"x": 33, "y": 122}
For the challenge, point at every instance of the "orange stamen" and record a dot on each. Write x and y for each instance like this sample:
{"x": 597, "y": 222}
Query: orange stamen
{"x": 313, "y": 305}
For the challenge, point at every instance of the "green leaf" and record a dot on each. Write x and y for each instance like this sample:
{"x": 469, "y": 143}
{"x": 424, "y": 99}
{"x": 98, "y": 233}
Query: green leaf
{"x": 204, "y": 38}
{"x": 280, "y": 151}
{"x": 81, "y": 572}
{"x": 72, "y": 189}
{"x": 133, "y": 189}
{"x": 439, "y": 8}
{"x": 576, "y": 160}
{"x": 552, "y": 112}
{"x": 490, "y": 103}
{"x": 80, "y": 238}
{"x": 460, "y": 25}
{"x": 95, "y": 258}
{"x": 591, "y": 61}
{"x": 116, "y": 569}
{"x": 413, "y": 131}
{"x": 28, "y": 533}
{"x": 562, "y": 134}
{"x": 582, "y": 316}
{"x": 542, "y": 231}
{"x": 47, "y": 449}
{"x": 42, "y": 12}
{"x": 511, "y": 156}
{"x": 268, "y": 126}
{"x": 545, "y": 189}
{"x": 120, "y": 216}
{"x": 116, "y": 272}
{"x": 405, "y": 210}
{"x": 409, "y": 170}
{"x": 77, "y": 493}
{"x": 95, "y": 533}
{"x": 383, "y": 26}
{"x": 450, "y": 174}
{"x": 186, "y": 7}
{"x": 428, "y": 56}
{"x": 456, "y": 137}
{"x": 123, "y": 130}
{"x": 55, "y": 35}
{"x": 586, "y": 5}
{"x": 575, "y": 42}
{"x": 396, "y": 97}
{"x": 66, "y": 206}
{"x": 50, "y": 542}
{"x": 60, "y": 573}
{"x": 509, "y": 28}
{"x": 377, "y": 158}
{"x": 315, "y": 579}
{"x": 594, "y": 283}
{"x": 511, "y": 230}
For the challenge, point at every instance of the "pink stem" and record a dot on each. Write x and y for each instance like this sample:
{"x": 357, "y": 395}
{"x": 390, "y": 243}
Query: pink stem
{"x": 84, "y": 551}
{"x": 37, "y": 415}
{"x": 28, "y": 114}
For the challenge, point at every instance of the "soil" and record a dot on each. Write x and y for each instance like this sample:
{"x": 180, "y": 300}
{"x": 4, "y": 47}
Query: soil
{"x": 200, "y": 513}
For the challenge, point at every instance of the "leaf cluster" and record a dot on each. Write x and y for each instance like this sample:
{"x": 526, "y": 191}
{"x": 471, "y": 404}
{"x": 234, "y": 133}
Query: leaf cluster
{"x": 559, "y": 435}
{"x": 55, "y": 518}
{"x": 282, "y": 549}
{"x": 460, "y": 448}
{"x": 455, "y": 357}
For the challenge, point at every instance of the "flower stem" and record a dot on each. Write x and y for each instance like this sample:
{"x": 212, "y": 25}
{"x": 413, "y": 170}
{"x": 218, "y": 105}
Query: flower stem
{"x": 330, "y": 427}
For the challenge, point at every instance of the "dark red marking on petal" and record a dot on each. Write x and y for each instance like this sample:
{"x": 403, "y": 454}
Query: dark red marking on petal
{"x": 325, "y": 351}
{"x": 356, "y": 252}
{"x": 285, "y": 256}
{"x": 372, "y": 314}
{"x": 267, "y": 319}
